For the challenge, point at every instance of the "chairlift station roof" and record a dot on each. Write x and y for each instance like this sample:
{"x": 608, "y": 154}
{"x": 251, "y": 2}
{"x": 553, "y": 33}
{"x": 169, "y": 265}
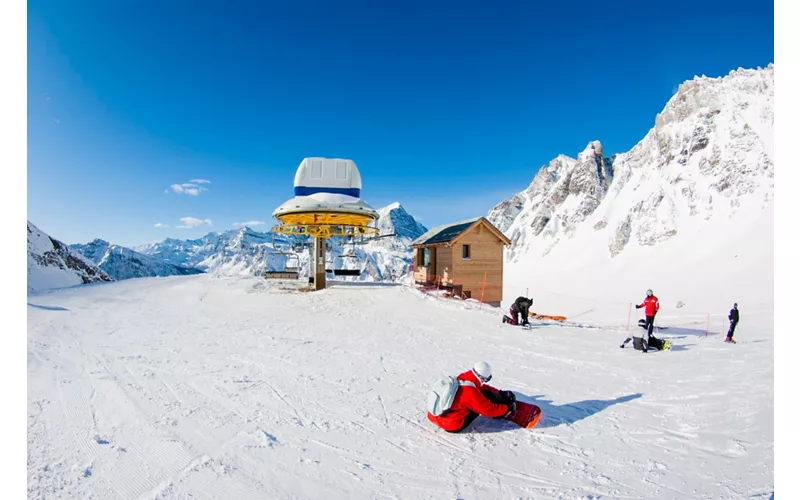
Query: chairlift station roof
{"x": 327, "y": 192}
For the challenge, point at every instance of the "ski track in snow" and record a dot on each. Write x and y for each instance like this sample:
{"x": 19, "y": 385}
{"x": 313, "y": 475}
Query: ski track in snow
{"x": 209, "y": 387}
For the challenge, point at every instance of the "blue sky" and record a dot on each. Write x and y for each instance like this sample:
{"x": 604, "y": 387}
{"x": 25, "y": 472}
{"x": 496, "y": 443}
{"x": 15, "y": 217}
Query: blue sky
{"x": 447, "y": 109}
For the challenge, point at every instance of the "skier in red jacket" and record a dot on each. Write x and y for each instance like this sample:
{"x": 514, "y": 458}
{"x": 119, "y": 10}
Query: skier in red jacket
{"x": 470, "y": 402}
{"x": 651, "y": 307}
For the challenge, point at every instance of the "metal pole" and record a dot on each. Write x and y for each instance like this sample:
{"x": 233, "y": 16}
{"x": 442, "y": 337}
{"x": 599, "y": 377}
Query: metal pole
{"x": 319, "y": 263}
{"x": 482, "y": 289}
{"x": 628, "y": 328}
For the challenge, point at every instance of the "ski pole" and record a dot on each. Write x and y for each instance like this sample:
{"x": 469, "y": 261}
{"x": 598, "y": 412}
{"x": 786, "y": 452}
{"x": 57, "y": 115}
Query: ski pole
{"x": 628, "y": 328}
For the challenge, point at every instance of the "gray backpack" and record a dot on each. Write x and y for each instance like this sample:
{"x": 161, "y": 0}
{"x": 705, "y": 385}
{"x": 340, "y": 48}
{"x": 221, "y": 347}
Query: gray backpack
{"x": 442, "y": 394}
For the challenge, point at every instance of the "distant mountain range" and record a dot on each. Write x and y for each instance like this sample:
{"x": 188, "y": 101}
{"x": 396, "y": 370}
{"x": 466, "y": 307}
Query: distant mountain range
{"x": 123, "y": 263}
{"x": 246, "y": 252}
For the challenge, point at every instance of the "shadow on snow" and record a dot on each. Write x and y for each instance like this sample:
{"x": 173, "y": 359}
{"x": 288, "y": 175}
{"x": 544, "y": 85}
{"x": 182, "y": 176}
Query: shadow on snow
{"x": 48, "y": 308}
{"x": 552, "y": 415}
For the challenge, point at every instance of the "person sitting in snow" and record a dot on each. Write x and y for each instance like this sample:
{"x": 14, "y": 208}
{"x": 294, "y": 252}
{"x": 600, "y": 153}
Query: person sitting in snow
{"x": 474, "y": 399}
{"x": 521, "y": 306}
{"x": 733, "y": 317}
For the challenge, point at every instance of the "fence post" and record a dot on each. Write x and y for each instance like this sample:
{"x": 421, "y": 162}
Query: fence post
{"x": 483, "y": 288}
{"x": 708, "y": 322}
{"x": 526, "y": 293}
{"x": 628, "y": 328}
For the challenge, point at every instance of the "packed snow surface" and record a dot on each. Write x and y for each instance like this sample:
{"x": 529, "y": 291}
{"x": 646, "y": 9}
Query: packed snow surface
{"x": 237, "y": 387}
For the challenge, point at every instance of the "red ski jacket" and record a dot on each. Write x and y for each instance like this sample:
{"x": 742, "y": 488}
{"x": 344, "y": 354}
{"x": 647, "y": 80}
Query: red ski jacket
{"x": 650, "y": 305}
{"x": 468, "y": 400}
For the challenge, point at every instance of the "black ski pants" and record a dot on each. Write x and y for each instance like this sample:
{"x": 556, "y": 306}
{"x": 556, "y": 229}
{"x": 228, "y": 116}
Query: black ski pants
{"x": 731, "y": 329}
{"x": 491, "y": 396}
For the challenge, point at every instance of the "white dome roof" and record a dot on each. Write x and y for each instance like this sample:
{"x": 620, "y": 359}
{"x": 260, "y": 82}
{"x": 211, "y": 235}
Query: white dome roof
{"x": 327, "y": 175}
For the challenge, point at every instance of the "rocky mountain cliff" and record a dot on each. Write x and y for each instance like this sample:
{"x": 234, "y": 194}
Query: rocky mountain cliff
{"x": 690, "y": 204}
{"x": 711, "y": 145}
{"x": 52, "y": 264}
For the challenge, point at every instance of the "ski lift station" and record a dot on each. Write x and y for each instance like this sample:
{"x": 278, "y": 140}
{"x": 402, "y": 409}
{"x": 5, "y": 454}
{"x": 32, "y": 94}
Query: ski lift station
{"x": 327, "y": 202}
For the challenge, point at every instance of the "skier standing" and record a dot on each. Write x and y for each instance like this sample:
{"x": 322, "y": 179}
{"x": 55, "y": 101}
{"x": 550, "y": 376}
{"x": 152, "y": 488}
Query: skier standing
{"x": 521, "y": 306}
{"x": 733, "y": 316}
{"x": 651, "y": 307}
{"x": 473, "y": 398}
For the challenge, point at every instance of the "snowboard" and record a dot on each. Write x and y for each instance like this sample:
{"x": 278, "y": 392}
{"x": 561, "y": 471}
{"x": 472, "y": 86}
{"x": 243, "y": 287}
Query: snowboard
{"x": 525, "y": 415}
{"x": 667, "y": 347}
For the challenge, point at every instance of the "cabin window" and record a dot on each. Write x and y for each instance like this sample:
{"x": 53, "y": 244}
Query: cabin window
{"x": 426, "y": 257}
{"x": 465, "y": 252}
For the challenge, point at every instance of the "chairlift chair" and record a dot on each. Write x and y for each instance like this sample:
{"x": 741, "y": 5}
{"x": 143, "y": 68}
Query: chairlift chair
{"x": 341, "y": 271}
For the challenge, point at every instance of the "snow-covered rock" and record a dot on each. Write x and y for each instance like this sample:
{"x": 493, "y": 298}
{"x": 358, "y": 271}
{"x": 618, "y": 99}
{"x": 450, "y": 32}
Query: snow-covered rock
{"x": 248, "y": 252}
{"x": 123, "y": 263}
{"x": 702, "y": 175}
{"x": 52, "y": 264}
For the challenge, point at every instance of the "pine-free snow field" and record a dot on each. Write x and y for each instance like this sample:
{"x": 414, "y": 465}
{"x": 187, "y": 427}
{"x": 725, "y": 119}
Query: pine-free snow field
{"x": 239, "y": 388}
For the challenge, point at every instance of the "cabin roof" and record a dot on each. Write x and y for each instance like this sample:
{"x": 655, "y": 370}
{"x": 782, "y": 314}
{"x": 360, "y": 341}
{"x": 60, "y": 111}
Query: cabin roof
{"x": 449, "y": 232}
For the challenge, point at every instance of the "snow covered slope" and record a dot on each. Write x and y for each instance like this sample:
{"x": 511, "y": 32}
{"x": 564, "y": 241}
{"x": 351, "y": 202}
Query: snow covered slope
{"x": 687, "y": 212}
{"x": 123, "y": 263}
{"x": 51, "y": 264}
{"x": 234, "y": 388}
{"x": 248, "y": 252}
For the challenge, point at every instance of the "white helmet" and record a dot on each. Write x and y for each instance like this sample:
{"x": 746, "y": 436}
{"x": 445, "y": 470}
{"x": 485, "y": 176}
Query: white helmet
{"x": 483, "y": 371}
{"x": 649, "y": 292}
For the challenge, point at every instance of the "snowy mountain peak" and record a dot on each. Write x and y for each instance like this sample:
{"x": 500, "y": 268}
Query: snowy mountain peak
{"x": 52, "y": 264}
{"x": 393, "y": 219}
{"x": 704, "y": 168}
{"x": 592, "y": 149}
{"x": 714, "y": 136}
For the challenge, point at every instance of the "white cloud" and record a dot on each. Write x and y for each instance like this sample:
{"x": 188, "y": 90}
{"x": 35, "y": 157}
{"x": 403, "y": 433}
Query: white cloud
{"x": 191, "y": 188}
{"x": 158, "y": 224}
{"x": 192, "y": 222}
{"x": 249, "y": 223}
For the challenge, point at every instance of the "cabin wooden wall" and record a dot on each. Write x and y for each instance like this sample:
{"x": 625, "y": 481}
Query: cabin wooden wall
{"x": 444, "y": 263}
{"x": 486, "y": 256}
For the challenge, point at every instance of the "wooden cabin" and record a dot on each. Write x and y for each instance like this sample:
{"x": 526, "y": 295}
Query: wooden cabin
{"x": 462, "y": 256}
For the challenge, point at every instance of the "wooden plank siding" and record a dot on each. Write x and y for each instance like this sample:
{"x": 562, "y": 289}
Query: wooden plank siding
{"x": 486, "y": 258}
{"x": 487, "y": 250}
{"x": 444, "y": 264}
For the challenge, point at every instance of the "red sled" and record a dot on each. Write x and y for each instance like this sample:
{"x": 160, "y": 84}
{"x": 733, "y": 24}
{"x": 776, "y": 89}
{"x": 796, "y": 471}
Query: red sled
{"x": 526, "y": 415}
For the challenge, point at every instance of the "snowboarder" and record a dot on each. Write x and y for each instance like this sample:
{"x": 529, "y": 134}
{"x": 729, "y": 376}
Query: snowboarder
{"x": 473, "y": 398}
{"x": 733, "y": 316}
{"x": 521, "y": 306}
{"x": 651, "y": 307}
{"x": 661, "y": 345}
